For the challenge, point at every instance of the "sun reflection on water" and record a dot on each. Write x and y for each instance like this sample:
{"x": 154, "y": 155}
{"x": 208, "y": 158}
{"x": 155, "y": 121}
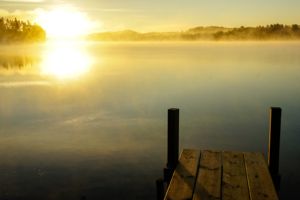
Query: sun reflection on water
{"x": 65, "y": 60}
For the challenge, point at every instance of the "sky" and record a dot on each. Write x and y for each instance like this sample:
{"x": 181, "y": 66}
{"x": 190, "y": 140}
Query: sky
{"x": 164, "y": 15}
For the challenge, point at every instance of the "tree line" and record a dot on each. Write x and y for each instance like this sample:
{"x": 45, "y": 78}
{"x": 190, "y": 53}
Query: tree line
{"x": 269, "y": 32}
{"x": 18, "y": 31}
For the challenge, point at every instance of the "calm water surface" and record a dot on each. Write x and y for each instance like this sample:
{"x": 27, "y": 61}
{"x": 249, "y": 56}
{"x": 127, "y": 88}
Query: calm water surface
{"x": 89, "y": 119}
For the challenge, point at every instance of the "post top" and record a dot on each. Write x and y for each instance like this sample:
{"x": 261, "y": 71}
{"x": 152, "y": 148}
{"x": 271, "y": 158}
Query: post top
{"x": 275, "y": 108}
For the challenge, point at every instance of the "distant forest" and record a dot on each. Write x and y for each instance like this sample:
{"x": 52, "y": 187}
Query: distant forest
{"x": 17, "y": 31}
{"x": 211, "y": 33}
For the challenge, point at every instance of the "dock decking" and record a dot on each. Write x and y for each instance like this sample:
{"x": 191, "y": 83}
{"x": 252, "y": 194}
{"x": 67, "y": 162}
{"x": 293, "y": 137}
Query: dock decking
{"x": 220, "y": 175}
{"x": 213, "y": 175}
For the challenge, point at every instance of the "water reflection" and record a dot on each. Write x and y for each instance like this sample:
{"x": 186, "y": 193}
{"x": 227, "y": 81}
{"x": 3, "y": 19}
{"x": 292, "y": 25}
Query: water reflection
{"x": 65, "y": 60}
{"x": 17, "y": 58}
{"x": 62, "y": 141}
{"x": 15, "y": 62}
{"x": 60, "y": 59}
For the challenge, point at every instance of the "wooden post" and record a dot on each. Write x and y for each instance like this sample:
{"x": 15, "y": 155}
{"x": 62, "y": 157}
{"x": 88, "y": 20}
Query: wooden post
{"x": 173, "y": 143}
{"x": 160, "y": 191}
{"x": 173, "y": 137}
{"x": 274, "y": 144}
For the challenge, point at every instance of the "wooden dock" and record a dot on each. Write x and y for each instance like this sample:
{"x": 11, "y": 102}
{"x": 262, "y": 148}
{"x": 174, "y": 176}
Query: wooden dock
{"x": 213, "y": 175}
{"x": 220, "y": 175}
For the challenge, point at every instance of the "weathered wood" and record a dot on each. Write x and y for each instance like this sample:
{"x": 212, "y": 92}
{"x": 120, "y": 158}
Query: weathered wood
{"x": 184, "y": 177}
{"x": 208, "y": 184}
{"x": 226, "y": 176}
{"x": 234, "y": 178}
{"x": 274, "y": 141}
{"x": 259, "y": 180}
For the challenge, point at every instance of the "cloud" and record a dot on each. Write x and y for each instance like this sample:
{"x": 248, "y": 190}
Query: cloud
{"x": 117, "y": 10}
{"x": 22, "y": 1}
{"x": 23, "y": 84}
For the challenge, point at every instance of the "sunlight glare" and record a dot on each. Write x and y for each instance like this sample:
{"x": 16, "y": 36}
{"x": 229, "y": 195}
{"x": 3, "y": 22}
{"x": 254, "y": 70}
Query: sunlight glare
{"x": 64, "y": 22}
{"x": 65, "y": 60}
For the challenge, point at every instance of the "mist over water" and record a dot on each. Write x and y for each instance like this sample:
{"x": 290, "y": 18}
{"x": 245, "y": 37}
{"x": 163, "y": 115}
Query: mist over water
{"x": 101, "y": 132}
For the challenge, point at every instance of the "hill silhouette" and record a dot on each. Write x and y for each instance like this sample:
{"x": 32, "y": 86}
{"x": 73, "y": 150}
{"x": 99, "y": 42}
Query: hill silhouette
{"x": 210, "y": 33}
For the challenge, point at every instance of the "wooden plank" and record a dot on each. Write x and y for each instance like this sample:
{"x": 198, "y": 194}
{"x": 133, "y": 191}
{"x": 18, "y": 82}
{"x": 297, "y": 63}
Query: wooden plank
{"x": 208, "y": 184}
{"x": 259, "y": 180}
{"x": 184, "y": 177}
{"x": 234, "y": 178}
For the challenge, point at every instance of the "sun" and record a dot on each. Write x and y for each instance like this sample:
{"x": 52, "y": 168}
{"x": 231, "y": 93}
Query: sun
{"x": 64, "y": 22}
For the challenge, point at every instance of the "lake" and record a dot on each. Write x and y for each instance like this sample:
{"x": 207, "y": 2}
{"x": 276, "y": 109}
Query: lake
{"x": 90, "y": 119}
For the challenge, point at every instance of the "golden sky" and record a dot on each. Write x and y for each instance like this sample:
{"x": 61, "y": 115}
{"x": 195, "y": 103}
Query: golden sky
{"x": 158, "y": 15}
